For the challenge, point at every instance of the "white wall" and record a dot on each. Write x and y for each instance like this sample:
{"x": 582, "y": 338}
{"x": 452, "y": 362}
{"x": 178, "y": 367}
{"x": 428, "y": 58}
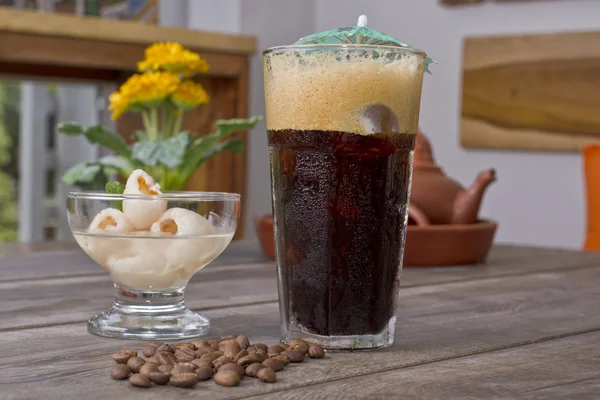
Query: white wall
{"x": 539, "y": 197}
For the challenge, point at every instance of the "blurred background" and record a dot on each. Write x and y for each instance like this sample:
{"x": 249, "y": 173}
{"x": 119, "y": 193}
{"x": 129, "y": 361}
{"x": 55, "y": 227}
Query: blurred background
{"x": 539, "y": 198}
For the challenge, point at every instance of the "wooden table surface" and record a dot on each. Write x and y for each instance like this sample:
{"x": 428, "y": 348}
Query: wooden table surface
{"x": 526, "y": 325}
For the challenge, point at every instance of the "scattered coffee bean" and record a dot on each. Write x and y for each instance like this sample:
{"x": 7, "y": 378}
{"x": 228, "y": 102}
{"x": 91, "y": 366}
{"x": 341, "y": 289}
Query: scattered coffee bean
{"x": 120, "y": 372}
{"x": 275, "y": 349}
{"x": 214, "y": 344}
{"x": 183, "y": 368}
{"x": 164, "y": 347}
{"x": 316, "y": 351}
{"x": 284, "y": 359}
{"x": 233, "y": 367}
{"x": 260, "y": 356}
{"x": 296, "y": 341}
{"x": 221, "y": 361}
{"x": 135, "y": 363}
{"x": 198, "y": 344}
{"x": 166, "y": 368}
{"x": 202, "y": 363}
{"x": 166, "y": 358}
{"x": 160, "y": 378}
{"x": 230, "y": 348}
{"x": 242, "y": 353}
{"x": 147, "y": 368}
{"x": 267, "y": 375}
{"x": 294, "y": 356}
{"x": 177, "y": 346}
{"x": 299, "y": 345}
{"x": 185, "y": 354}
{"x": 205, "y": 373}
{"x": 229, "y": 337}
{"x": 149, "y": 350}
{"x": 260, "y": 346}
{"x": 123, "y": 355}
{"x": 185, "y": 380}
{"x": 227, "y": 378}
{"x": 274, "y": 363}
{"x": 252, "y": 369}
{"x": 203, "y": 350}
{"x": 212, "y": 356}
{"x": 286, "y": 346}
{"x": 140, "y": 381}
{"x": 243, "y": 341}
{"x": 247, "y": 360}
{"x": 154, "y": 359}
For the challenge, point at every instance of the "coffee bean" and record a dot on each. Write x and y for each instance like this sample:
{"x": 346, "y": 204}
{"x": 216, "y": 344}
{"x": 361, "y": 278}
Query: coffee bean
{"x": 242, "y": 353}
{"x": 185, "y": 354}
{"x": 260, "y": 356}
{"x": 260, "y": 346}
{"x": 120, "y": 372}
{"x": 296, "y": 341}
{"x": 166, "y": 358}
{"x": 140, "y": 381}
{"x": 230, "y": 349}
{"x": 229, "y": 337}
{"x": 214, "y": 343}
{"x": 164, "y": 347}
{"x": 198, "y": 344}
{"x": 205, "y": 373}
{"x": 221, "y": 361}
{"x": 154, "y": 359}
{"x": 275, "y": 349}
{"x": 148, "y": 368}
{"x": 286, "y": 346}
{"x": 166, "y": 368}
{"x": 316, "y": 351}
{"x": 212, "y": 356}
{"x": 155, "y": 343}
{"x": 185, "y": 380}
{"x": 183, "y": 368}
{"x": 123, "y": 355}
{"x": 135, "y": 363}
{"x": 283, "y": 358}
{"x": 227, "y": 378}
{"x": 243, "y": 341}
{"x": 233, "y": 367}
{"x": 267, "y": 375}
{"x": 247, "y": 360}
{"x": 274, "y": 363}
{"x": 294, "y": 356}
{"x": 202, "y": 363}
{"x": 203, "y": 350}
{"x": 149, "y": 350}
{"x": 252, "y": 369}
{"x": 160, "y": 378}
{"x": 301, "y": 348}
{"x": 178, "y": 346}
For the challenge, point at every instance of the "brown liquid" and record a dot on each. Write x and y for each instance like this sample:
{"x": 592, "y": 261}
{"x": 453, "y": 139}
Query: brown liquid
{"x": 340, "y": 203}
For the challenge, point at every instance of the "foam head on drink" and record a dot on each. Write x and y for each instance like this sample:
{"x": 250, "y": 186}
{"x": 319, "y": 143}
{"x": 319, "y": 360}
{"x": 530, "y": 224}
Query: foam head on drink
{"x": 341, "y": 124}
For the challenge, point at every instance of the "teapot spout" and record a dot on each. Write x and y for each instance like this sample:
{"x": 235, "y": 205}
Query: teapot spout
{"x": 468, "y": 202}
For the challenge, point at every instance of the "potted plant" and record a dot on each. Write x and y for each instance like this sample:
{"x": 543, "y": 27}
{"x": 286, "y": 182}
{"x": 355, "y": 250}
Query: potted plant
{"x": 161, "y": 92}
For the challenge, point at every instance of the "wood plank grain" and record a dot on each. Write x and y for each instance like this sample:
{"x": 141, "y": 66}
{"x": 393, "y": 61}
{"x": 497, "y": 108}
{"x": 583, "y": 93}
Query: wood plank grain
{"x": 519, "y": 92}
{"x": 435, "y": 323}
{"x": 556, "y": 369}
{"x": 97, "y": 29}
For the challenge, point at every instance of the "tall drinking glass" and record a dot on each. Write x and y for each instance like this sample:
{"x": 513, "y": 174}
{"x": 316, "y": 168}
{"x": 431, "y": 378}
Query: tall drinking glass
{"x": 341, "y": 123}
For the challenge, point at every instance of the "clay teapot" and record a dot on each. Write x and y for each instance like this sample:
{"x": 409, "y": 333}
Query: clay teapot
{"x": 438, "y": 199}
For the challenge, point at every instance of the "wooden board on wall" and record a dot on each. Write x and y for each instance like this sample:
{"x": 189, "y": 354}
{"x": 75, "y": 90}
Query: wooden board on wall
{"x": 531, "y": 92}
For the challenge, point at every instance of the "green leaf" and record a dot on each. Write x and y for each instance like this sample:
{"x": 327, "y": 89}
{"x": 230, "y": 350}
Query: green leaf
{"x": 108, "y": 139}
{"x": 140, "y": 136}
{"x": 81, "y": 174}
{"x": 168, "y": 152}
{"x": 114, "y": 187}
{"x": 119, "y": 164}
{"x": 69, "y": 128}
{"x": 227, "y": 127}
{"x": 234, "y": 145}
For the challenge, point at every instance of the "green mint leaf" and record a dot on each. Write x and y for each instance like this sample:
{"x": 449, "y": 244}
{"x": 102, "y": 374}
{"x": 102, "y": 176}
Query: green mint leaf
{"x": 114, "y": 187}
{"x": 108, "y": 139}
{"x": 79, "y": 174}
{"x": 69, "y": 128}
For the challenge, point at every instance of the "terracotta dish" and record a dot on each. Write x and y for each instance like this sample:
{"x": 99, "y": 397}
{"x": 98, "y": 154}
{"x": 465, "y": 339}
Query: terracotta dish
{"x": 266, "y": 237}
{"x": 457, "y": 244}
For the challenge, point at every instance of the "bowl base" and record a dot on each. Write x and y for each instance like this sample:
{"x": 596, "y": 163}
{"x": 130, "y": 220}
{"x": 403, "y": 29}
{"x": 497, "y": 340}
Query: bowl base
{"x": 149, "y": 316}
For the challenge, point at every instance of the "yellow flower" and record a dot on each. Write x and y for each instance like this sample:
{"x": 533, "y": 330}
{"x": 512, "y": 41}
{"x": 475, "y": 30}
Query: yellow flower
{"x": 174, "y": 58}
{"x": 189, "y": 94}
{"x": 118, "y": 104}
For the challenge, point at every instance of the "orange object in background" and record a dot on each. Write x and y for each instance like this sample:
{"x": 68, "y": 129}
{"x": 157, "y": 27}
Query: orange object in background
{"x": 591, "y": 167}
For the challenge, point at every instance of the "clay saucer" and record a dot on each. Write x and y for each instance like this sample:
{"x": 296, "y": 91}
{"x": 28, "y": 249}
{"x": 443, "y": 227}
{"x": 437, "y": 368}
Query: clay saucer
{"x": 432, "y": 245}
{"x": 439, "y": 245}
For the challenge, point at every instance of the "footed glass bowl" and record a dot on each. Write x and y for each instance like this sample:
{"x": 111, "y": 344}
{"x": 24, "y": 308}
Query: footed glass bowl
{"x": 151, "y": 249}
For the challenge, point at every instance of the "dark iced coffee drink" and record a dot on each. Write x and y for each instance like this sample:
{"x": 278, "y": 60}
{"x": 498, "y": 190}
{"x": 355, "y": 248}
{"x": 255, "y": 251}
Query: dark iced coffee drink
{"x": 341, "y": 124}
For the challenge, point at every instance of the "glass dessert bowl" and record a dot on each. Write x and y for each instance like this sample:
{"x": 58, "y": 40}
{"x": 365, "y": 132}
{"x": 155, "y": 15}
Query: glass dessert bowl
{"x": 151, "y": 249}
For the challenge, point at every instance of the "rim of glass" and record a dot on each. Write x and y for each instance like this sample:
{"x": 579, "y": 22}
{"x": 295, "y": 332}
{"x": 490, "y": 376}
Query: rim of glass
{"x": 169, "y": 196}
{"x": 350, "y": 46}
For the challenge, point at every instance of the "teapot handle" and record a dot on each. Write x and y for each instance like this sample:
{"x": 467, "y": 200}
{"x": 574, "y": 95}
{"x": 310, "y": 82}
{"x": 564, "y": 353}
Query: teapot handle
{"x": 417, "y": 215}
